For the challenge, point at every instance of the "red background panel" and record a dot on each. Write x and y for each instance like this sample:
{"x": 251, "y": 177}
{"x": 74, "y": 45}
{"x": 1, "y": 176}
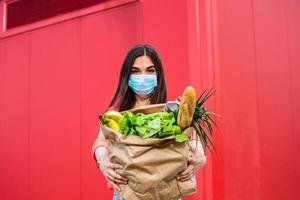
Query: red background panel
{"x": 275, "y": 101}
{"x": 259, "y": 139}
{"x": 55, "y": 112}
{"x": 237, "y": 82}
{"x": 14, "y": 117}
{"x": 57, "y": 75}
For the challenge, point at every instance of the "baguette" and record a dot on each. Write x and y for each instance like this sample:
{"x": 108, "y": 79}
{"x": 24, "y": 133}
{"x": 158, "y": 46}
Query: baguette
{"x": 186, "y": 108}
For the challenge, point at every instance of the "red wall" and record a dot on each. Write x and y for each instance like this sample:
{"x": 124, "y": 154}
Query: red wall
{"x": 56, "y": 76}
{"x": 257, "y": 63}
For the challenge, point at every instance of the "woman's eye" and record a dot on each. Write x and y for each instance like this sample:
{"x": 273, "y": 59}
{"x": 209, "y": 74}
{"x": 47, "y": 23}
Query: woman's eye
{"x": 151, "y": 70}
{"x": 134, "y": 71}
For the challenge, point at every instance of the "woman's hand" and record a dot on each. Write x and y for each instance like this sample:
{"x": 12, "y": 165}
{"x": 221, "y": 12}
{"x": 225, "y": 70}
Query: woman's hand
{"x": 108, "y": 170}
{"x": 196, "y": 160}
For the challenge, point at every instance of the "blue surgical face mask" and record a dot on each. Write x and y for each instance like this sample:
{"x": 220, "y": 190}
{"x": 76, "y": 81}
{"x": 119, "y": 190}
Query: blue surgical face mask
{"x": 143, "y": 85}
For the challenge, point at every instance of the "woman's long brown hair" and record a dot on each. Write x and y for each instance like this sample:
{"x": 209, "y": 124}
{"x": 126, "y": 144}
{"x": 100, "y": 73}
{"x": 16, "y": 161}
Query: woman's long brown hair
{"x": 124, "y": 97}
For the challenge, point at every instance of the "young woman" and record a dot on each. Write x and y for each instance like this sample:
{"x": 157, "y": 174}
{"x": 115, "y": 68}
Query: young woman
{"x": 141, "y": 82}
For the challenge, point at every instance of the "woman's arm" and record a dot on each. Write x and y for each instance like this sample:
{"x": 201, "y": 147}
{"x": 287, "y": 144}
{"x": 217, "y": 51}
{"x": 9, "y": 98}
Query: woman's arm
{"x": 100, "y": 154}
{"x": 196, "y": 161}
{"x": 197, "y": 151}
{"x": 98, "y": 142}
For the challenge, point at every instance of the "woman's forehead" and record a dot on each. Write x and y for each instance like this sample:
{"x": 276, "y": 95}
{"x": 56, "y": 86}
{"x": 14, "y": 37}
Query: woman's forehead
{"x": 143, "y": 62}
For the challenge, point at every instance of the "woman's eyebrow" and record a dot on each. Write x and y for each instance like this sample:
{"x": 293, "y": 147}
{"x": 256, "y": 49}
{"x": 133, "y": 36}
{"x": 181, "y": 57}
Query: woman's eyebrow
{"x": 139, "y": 68}
{"x": 135, "y": 67}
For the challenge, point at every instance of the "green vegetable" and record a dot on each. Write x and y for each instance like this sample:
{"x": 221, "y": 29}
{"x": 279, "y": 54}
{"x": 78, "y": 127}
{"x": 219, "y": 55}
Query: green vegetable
{"x": 181, "y": 137}
{"x": 156, "y": 125}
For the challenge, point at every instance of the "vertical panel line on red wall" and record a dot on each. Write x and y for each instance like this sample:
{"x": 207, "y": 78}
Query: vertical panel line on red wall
{"x": 80, "y": 108}
{"x": 256, "y": 86}
{"x": 218, "y": 178}
{"x": 290, "y": 75}
{"x": 198, "y": 46}
{"x": 29, "y": 119}
{"x": 140, "y": 21}
{"x": 210, "y": 54}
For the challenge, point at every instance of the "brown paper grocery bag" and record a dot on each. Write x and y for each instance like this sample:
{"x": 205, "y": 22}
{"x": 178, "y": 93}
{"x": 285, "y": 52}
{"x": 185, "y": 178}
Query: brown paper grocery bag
{"x": 150, "y": 164}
